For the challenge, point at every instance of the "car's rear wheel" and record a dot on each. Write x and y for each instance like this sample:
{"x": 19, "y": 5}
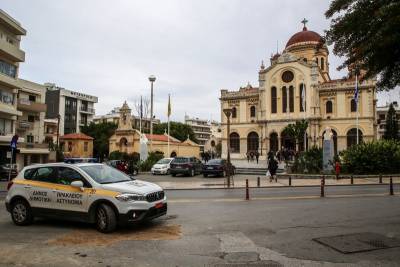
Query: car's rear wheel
{"x": 106, "y": 219}
{"x": 21, "y": 213}
{"x": 173, "y": 175}
{"x": 205, "y": 175}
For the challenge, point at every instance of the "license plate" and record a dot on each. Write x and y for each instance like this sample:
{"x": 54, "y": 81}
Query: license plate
{"x": 210, "y": 168}
{"x": 178, "y": 167}
{"x": 159, "y": 205}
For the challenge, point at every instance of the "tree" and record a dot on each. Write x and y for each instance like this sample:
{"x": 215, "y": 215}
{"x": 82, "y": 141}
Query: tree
{"x": 178, "y": 130}
{"x": 296, "y": 131}
{"x": 391, "y": 128}
{"x": 101, "y": 133}
{"x": 366, "y": 33}
{"x": 142, "y": 105}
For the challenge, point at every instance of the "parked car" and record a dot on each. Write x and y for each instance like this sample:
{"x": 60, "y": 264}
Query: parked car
{"x": 89, "y": 192}
{"x": 162, "y": 166}
{"x": 5, "y": 171}
{"x": 186, "y": 166}
{"x": 218, "y": 167}
{"x": 127, "y": 167}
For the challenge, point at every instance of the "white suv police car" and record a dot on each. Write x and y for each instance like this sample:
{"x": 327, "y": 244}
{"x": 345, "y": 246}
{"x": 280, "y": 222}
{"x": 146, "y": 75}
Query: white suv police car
{"x": 89, "y": 192}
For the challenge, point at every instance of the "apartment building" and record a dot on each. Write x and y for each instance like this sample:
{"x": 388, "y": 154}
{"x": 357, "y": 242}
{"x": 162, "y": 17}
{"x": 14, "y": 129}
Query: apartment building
{"x": 11, "y": 56}
{"x": 74, "y": 108}
{"x": 114, "y": 115}
{"x": 381, "y": 113}
{"x": 30, "y": 124}
{"x": 201, "y": 129}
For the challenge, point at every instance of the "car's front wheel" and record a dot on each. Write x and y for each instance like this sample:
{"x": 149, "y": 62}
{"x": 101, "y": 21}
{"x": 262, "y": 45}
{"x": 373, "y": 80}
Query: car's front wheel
{"x": 106, "y": 219}
{"x": 21, "y": 213}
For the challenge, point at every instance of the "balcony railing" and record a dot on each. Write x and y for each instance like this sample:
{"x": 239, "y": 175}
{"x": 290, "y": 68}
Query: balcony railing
{"x": 24, "y": 125}
{"x": 87, "y": 110}
{"x": 25, "y": 104}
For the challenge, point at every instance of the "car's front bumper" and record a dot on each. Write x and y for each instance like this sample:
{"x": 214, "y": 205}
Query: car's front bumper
{"x": 138, "y": 215}
{"x": 159, "y": 171}
{"x": 212, "y": 172}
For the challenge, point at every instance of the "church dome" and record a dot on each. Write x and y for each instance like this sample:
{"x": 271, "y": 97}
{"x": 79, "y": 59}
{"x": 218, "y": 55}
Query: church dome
{"x": 305, "y": 36}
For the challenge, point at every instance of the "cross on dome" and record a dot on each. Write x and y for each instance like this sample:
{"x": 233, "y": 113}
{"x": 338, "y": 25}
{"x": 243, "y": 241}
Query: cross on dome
{"x": 304, "y": 21}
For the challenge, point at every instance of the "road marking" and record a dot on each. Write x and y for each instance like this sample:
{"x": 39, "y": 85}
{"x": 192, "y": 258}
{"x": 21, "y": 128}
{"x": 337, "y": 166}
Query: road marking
{"x": 274, "y": 198}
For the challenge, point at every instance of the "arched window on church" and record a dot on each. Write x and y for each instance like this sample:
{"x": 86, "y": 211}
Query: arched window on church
{"x": 322, "y": 63}
{"x": 329, "y": 106}
{"x": 273, "y": 100}
{"x": 234, "y": 142}
{"x": 302, "y": 95}
{"x": 291, "y": 99}
{"x": 234, "y": 112}
{"x": 284, "y": 99}
{"x": 252, "y": 111}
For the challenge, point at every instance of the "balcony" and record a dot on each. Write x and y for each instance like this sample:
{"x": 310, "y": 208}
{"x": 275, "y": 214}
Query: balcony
{"x": 11, "y": 52}
{"x": 24, "y": 125}
{"x": 84, "y": 109}
{"x": 26, "y": 105}
{"x": 9, "y": 109}
{"x": 8, "y": 81}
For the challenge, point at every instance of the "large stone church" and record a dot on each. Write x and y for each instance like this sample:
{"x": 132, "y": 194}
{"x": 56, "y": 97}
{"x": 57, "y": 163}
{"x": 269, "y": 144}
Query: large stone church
{"x": 259, "y": 114}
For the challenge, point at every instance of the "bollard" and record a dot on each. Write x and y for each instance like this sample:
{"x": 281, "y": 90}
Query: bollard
{"x": 290, "y": 180}
{"x": 258, "y": 181}
{"x": 247, "y": 190}
{"x": 352, "y": 180}
{"x": 391, "y": 186}
{"x": 380, "y": 178}
{"x": 323, "y": 186}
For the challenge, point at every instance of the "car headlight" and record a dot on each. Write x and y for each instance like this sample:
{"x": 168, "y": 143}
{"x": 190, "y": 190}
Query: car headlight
{"x": 130, "y": 197}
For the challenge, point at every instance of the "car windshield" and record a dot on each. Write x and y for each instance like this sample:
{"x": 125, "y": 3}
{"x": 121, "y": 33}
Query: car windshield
{"x": 164, "y": 161}
{"x": 215, "y": 161}
{"x": 104, "y": 174}
{"x": 181, "y": 160}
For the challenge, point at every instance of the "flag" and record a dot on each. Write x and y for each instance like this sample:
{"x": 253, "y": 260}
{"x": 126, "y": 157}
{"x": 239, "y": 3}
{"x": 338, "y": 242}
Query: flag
{"x": 169, "y": 106}
{"x": 356, "y": 91}
{"x": 303, "y": 97}
{"x": 141, "y": 107}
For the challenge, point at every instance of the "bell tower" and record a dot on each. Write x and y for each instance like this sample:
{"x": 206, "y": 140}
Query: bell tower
{"x": 125, "y": 118}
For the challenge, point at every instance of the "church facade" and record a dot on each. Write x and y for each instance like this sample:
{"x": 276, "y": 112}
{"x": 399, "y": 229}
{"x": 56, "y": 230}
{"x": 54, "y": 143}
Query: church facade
{"x": 127, "y": 140}
{"x": 297, "y": 86}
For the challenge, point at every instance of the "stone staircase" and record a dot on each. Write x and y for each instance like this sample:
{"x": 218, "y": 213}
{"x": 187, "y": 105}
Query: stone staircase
{"x": 252, "y": 168}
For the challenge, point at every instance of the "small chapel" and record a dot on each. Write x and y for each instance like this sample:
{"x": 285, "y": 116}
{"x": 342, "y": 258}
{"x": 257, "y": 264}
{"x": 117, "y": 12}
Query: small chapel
{"x": 126, "y": 139}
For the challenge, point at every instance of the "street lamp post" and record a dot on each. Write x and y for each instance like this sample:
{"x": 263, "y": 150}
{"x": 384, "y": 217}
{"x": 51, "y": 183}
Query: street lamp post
{"x": 228, "y": 113}
{"x": 152, "y": 79}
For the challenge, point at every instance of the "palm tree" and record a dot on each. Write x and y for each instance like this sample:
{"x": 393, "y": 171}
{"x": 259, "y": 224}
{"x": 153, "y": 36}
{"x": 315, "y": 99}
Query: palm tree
{"x": 296, "y": 131}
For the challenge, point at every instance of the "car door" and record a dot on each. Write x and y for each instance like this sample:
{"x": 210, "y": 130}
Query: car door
{"x": 70, "y": 198}
{"x": 40, "y": 186}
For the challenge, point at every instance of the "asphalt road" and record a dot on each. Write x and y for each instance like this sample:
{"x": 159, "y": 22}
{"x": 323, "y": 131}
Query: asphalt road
{"x": 219, "y": 228}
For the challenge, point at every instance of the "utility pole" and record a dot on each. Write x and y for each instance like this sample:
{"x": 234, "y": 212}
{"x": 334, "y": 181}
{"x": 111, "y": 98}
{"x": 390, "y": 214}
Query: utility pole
{"x": 58, "y": 129}
{"x": 152, "y": 79}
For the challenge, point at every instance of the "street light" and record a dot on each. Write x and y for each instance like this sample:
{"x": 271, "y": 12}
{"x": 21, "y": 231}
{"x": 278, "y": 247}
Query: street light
{"x": 152, "y": 79}
{"x": 228, "y": 112}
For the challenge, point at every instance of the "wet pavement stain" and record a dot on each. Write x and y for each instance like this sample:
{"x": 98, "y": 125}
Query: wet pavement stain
{"x": 92, "y": 237}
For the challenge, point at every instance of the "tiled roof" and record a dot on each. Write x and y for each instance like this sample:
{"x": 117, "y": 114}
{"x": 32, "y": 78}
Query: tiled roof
{"x": 304, "y": 36}
{"x": 77, "y": 136}
{"x": 159, "y": 137}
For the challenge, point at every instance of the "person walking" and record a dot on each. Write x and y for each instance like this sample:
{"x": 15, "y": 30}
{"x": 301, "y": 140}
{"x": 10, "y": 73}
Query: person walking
{"x": 257, "y": 156}
{"x": 248, "y": 156}
{"x": 272, "y": 167}
{"x": 337, "y": 169}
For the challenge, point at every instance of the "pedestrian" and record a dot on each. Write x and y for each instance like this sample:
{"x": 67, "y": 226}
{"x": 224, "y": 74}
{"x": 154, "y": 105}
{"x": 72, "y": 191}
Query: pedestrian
{"x": 272, "y": 167}
{"x": 248, "y": 156}
{"x": 337, "y": 169}
{"x": 257, "y": 156}
{"x": 252, "y": 156}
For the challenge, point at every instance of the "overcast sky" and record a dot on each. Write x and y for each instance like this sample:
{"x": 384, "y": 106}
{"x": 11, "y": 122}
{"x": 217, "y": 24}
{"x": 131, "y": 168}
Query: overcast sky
{"x": 194, "y": 48}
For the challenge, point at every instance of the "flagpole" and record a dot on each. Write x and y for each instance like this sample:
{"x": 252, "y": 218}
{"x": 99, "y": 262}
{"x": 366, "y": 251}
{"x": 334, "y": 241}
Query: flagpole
{"x": 140, "y": 116}
{"x": 169, "y": 114}
{"x": 357, "y": 108}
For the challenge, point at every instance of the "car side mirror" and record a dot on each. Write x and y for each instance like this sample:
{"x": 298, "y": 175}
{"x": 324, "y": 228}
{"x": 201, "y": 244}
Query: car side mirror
{"x": 77, "y": 184}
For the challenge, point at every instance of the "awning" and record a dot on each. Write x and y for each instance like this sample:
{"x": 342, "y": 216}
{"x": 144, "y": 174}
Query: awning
{"x": 34, "y": 151}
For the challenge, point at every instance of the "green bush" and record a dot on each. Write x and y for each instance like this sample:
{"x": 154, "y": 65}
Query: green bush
{"x": 308, "y": 162}
{"x": 150, "y": 161}
{"x": 379, "y": 157}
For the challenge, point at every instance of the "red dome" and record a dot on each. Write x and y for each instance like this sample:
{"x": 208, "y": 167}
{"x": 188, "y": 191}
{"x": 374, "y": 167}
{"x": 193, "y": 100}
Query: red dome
{"x": 304, "y": 36}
